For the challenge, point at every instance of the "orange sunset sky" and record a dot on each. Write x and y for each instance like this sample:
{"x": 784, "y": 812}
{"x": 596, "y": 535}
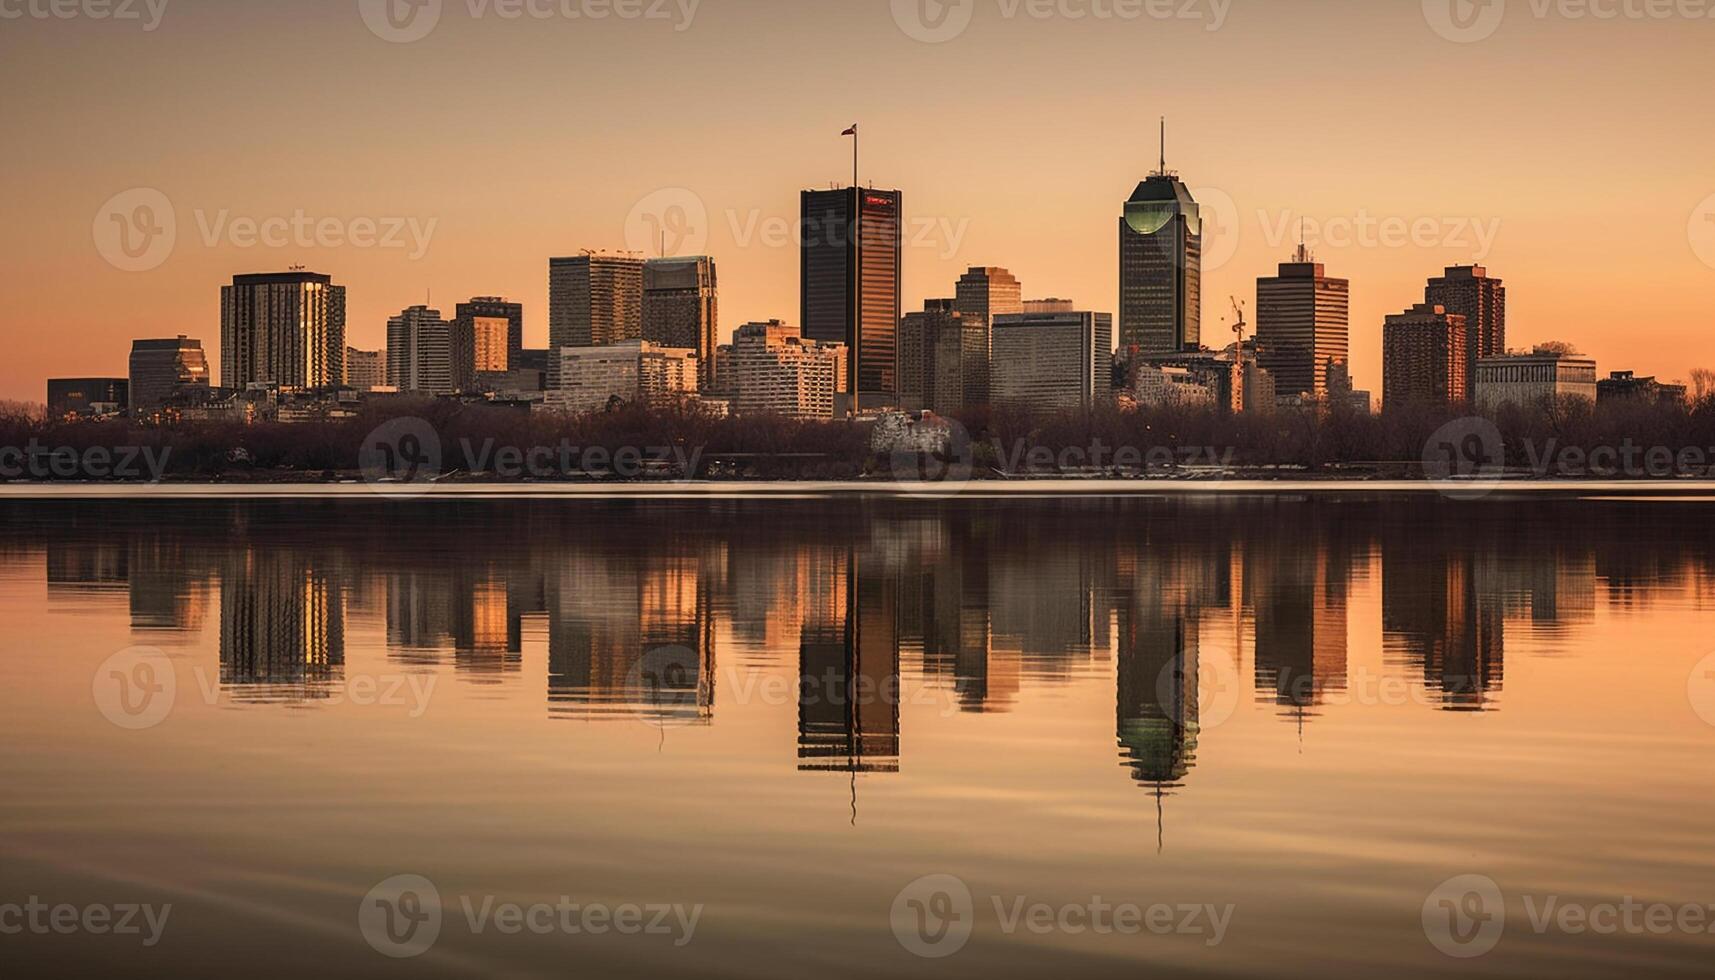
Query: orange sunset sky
{"x": 1576, "y": 135}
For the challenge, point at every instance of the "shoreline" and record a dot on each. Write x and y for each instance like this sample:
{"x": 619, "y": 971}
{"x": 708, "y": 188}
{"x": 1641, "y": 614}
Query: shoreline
{"x": 977, "y": 490}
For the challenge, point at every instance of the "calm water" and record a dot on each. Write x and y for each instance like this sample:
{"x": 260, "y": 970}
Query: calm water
{"x": 1297, "y": 719}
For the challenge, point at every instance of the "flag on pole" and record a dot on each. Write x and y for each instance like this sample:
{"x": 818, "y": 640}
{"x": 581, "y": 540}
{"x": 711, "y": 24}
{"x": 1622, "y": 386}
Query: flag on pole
{"x": 850, "y": 132}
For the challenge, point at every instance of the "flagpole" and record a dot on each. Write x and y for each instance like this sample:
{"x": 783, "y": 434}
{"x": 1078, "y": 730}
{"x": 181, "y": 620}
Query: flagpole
{"x": 856, "y": 352}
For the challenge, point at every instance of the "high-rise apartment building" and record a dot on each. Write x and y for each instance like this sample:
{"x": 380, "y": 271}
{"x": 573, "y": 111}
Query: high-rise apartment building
{"x": 850, "y": 281}
{"x": 594, "y": 299}
{"x": 1161, "y": 268}
{"x": 776, "y": 371}
{"x": 285, "y": 328}
{"x": 487, "y": 337}
{"x": 419, "y": 352}
{"x": 1303, "y": 326}
{"x": 943, "y": 360}
{"x": 365, "y": 370}
{"x": 1052, "y": 361}
{"x": 1468, "y": 291}
{"x": 161, "y": 367}
{"x": 1424, "y": 356}
{"x": 681, "y": 309}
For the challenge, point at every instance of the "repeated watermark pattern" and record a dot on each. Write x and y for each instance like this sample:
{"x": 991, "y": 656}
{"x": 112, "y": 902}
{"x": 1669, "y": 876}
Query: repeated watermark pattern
{"x": 1466, "y": 917}
{"x": 1701, "y": 231}
{"x": 145, "y": 14}
{"x": 935, "y": 916}
{"x": 1466, "y": 459}
{"x": 36, "y": 461}
{"x": 147, "y": 923}
{"x": 941, "y": 21}
{"x": 405, "y": 916}
{"x": 1470, "y": 21}
{"x": 138, "y": 688}
{"x": 407, "y": 21}
{"x": 137, "y": 230}
{"x": 1700, "y": 689}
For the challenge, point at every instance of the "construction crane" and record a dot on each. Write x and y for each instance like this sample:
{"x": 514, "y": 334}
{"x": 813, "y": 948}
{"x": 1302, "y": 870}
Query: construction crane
{"x": 1239, "y": 325}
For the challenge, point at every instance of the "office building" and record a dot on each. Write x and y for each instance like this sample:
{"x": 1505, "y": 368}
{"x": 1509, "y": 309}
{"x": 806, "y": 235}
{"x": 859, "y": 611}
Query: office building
{"x": 1303, "y": 326}
{"x": 839, "y": 262}
{"x": 87, "y": 396}
{"x": 594, "y": 299}
{"x": 1161, "y": 268}
{"x": 1049, "y": 306}
{"x": 1529, "y": 380}
{"x": 984, "y": 293}
{"x": 487, "y": 337}
{"x": 1051, "y": 361}
{"x": 365, "y": 370}
{"x": 776, "y": 371}
{"x": 1467, "y": 290}
{"x": 1423, "y": 356}
{"x": 681, "y": 309}
{"x": 285, "y": 328}
{"x": 590, "y": 379}
{"x": 943, "y": 359}
{"x": 1627, "y": 386}
{"x": 159, "y": 368}
{"x": 419, "y": 352}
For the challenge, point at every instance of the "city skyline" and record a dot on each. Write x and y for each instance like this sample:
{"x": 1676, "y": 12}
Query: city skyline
{"x": 488, "y": 236}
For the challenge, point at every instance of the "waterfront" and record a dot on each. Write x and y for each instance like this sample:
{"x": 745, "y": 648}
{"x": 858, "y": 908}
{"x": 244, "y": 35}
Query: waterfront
{"x": 1308, "y": 710}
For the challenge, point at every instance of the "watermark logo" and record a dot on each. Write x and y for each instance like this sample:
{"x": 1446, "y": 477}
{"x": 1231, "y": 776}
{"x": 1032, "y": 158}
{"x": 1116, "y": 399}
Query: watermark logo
{"x": 934, "y": 21}
{"x": 400, "y": 21}
{"x": 136, "y": 688}
{"x": 1222, "y": 226}
{"x": 933, "y": 916}
{"x": 1465, "y": 458}
{"x": 135, "y": 231}
{"x": 1465, "y": 21}
{"x": 931, "y": 458}
{"x": 1219, "y": 691}
{"x": 1700, "y": 689}
{"x": 1465, "y": 916}
{"x": 39, "y": 918}
{"x": 1701, "y": 231}
{"x": 668, "y": 682}
{"x": 148, "y": 13}
{"x": 401, "y": 917}
{"x": 671, "y": 221}
{"x": 401, "y": 458}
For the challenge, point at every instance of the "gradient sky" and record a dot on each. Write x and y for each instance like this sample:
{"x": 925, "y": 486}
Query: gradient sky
{"x": 1586, "y": 142}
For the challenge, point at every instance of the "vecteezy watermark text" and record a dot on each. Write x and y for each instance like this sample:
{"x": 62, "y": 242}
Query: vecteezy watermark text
{"x": 40, "y": 918}
{"x": 940, "y": 21}
{"x": 1469, "y": 21}
{"x": 405, "y": 21}
{"x": 35, "y": 461}
{"x": 1466, "y": 916}
{"x": 148, "y": 13}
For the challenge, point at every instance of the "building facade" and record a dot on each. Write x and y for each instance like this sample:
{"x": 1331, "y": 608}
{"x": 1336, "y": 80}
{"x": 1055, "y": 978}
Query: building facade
{"x": 986, "y": 292}
{"x": 1052, "y": 362}
{"x": 284, "y": 328}
{"x": 1627, "y": 386}
{"x": 487, "y": 337}
{"x": 419, "y": 352}
{"x": 1424, "y": 357}
{"x": 943, "y": 360}
{"x": 161, "y": 367}
{"x": 1529, "y": 380}
{"x": 594, "y": 299}
{"x": 365, "y": 370}
{"x": 681, "y": 309}
{"x": 590, "y": 379}
{"x": 776, "y": 371}
{"x": 1467, "y": 290}
{"x": 1161, "y": 268}
{"x": 87, "y": 396}
{"x": 1303, "y": 326}
{"x": 841, "y": 259}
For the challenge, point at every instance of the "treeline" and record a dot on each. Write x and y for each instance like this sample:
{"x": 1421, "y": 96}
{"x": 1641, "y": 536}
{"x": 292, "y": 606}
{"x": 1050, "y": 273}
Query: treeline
{"x": 993, "y": 442}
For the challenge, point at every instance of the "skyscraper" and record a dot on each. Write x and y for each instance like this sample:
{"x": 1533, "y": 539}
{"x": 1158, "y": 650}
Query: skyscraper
{"x": 419, "y": 353}
{"x": 487, "y": 335}
{"x": 1161, "y": 267}
{"x": 365, "y": 369}
{"x": 984, "y": 293}
{"x": 680, "y": 309}
{"x": 1468, "y": 291}
{"x": 943, "y": 360}
{"x": 1052, "y": 361}
{"x": 285, "y": 328}
{"x": 1303, "y": 325}
{"x": 840, "y": 262}
{"x": 161, "y": 367}
{"x": 1423, "y": 356}
{"x": 594, "y": 299}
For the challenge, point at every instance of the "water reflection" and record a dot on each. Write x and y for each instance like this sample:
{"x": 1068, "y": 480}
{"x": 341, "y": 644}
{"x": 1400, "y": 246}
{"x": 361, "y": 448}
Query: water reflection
{"x": 647, "y": 611}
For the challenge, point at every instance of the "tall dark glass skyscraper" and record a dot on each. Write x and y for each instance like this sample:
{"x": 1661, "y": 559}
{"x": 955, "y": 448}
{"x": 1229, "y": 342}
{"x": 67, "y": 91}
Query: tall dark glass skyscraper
{"x": 840, "y": 261}
{"x": 1161, "y": 268}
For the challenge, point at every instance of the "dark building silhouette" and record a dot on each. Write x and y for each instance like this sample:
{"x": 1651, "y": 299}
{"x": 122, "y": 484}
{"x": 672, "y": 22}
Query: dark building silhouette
{"x": 842, "y": 257}
{"x": 1467, "y": 291}
{"x": 1161, "y": 268}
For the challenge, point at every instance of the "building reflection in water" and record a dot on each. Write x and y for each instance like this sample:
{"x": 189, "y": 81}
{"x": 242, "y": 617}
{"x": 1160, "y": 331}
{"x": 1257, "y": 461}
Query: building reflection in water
{"x": 848, "y": 668}
{"x": 282, "y": 627}
{"x": 1441, "y": 619}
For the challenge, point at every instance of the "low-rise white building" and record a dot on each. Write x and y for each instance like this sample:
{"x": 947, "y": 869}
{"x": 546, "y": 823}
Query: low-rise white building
{"x": 589, "y": 379}
{"x": 1533, "y": 379}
